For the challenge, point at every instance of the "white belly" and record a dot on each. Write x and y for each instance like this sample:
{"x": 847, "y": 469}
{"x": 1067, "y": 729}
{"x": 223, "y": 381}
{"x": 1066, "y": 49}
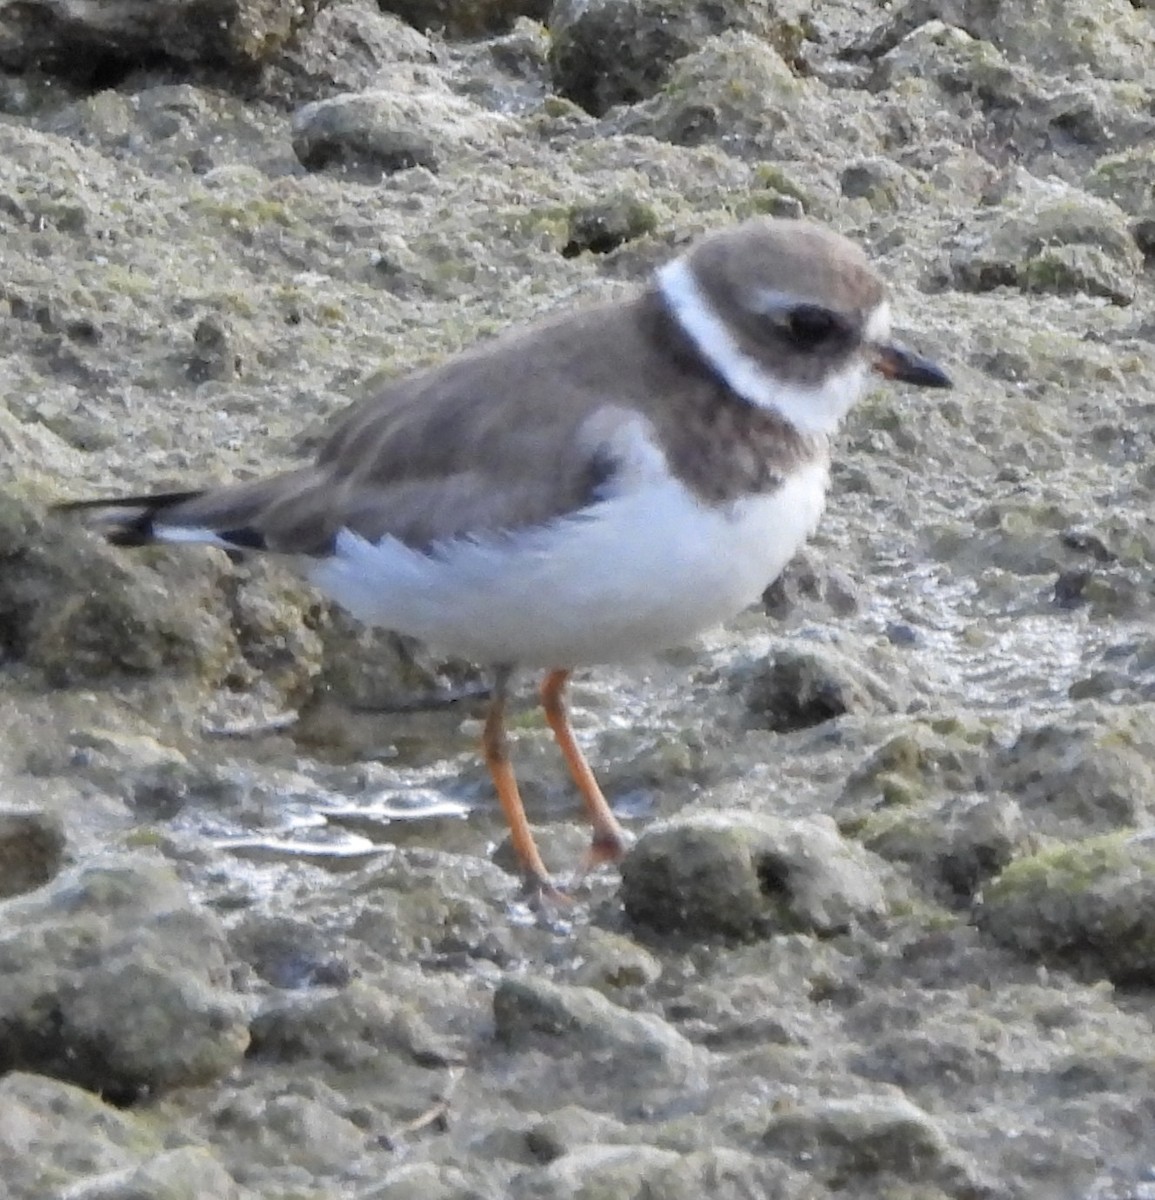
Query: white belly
{"x": 638, "y": 572}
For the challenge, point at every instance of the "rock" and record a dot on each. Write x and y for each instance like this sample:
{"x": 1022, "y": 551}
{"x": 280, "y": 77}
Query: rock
{"x": 1051, "y": 35}
{"x": 926, "y": 759}
{"x": 370, "y": 134}
{"x": 605, "y": 225}
{"x": 356, "y": 1029}
{"x": 1088, "y": 775}
{"x": 611, "y": 963}
{"x": 867, "y": 1137}
{"x": 189, "y": 1173}
{"x": 214, "y": 354}
{"x": 378, "y": 670}
{"x": 641, "y": 1170}
{"x": 1126, "y": 179}
{"x": 744, "y": 875}
{"x": 307, "y": 1129}
{"x": 1049, "y": 239}
{"x": 82, "y": 611}
{"x": 110, "y": 978}
{"x": 288, "y": 953}
{"x": 73, "y": 40}
{"x": 798, "y": 688}
{"x": 608, "y": 52}
{"x": 939, "y": 79}
{"x": 352, "y": 46}
{"x": 570, "y": 1128}
{"x": 811, "y": 588}
{"x": 466, "y": 18}
{"x": 591, "y": 1039}
{"x": 53, "y": 1133}
{"x": 736, "y": 92}
{"x": 420, "y": 1181}
{"x": 955, "y": 846}
{"x": 881, "y": 182}
{"x": 32, "y": 849}
{"x": 1088, "y": 905}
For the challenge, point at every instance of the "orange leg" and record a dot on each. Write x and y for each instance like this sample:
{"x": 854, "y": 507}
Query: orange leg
{"x": 610, "y": 841}
{"x": 497, "y": 760}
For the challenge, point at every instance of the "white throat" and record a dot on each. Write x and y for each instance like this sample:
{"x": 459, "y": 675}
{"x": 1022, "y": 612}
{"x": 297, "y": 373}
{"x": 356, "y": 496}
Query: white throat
{"x": 815, "y": 411}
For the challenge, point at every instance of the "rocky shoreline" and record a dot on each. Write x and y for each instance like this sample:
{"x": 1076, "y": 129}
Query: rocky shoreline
{"x": 886, "y": 931}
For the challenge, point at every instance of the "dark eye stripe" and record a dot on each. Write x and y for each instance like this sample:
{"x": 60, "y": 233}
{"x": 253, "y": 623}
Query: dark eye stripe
{"x": 809, "y": 326}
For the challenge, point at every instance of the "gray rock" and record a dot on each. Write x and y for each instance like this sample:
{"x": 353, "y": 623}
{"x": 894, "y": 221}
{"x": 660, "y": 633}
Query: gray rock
{"x": 612, "y": 963}
{"x": 421, "y": 1181}
{"x": 355, "y": 1030}
{"x": 352, "y": 46}
{"x": 190, "y": 1173}
{"x": 867, "y": 1137}
{"x": 1086, "y": 775}
{"x": 371, "y": 134}
{"x": 53, "y": 1134}
{"x": 1126, "y": 179}
{"x": 811, "y": 587}
{"x": 303, "y": 1133}
{"x": 956, "y": 846}
{"x": 604, "y": 225}
{"x": 1051, "y": 35}
{"x": 737, "y": 92}
{"x": 466, "y": 18}
{"x": 1090, "y": 905}
{"x": 591, "y": 1172}
{"x": 570, "y": 1128}
{"x": 80, "y": 611}
{"x": 376, "y": 669}
{"x": 797, "y": 688}
{"x": 743, "y": 875}
{"x": 608, "y": 52}
{"x": 32, "y": 849}
{"x": 72, "y": 38}
{"x": 1049, "y": 239}
{"x": 605, "y": 1045}
{"x": 110, "y": 978}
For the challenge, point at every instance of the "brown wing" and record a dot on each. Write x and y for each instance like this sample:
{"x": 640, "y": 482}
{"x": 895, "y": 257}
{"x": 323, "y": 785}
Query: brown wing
{"x": 490, "y": 440}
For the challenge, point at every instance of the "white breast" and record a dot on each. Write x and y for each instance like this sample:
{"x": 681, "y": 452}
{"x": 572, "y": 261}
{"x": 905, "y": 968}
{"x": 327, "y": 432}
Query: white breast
{"x": 642, "y": 570}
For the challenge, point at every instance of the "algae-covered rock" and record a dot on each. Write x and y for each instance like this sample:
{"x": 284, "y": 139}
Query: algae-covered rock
{"x": 608, "y": 52}
{"x": 1108, "y": 36}
{"x": 466, "y": 18}
{"x": 866, "y": 1137}
{"x": 83, "y": 611}
{"x": 376, "y": 133}
{"x": 32, "y": 849}
{"x": 53, "y": 1134}
{"x": 188, "y": 1173}
{"x": 1089, "y": 905}
{"x": 1093, "y": 774}
{"x": 746, "y": 876}
{"x": 737, "y": 92}
{"x": 74, "y": 39}
{"x": 637, "y": 1169}
{"x": 796, "y": 688}
{"x": 1050, "y": 239}
{"x": 582, "y": 1033}
{"x": 111, "y": 978}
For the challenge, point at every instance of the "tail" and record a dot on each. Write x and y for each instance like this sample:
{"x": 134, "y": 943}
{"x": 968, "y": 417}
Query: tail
{"x": 198, "y": 517}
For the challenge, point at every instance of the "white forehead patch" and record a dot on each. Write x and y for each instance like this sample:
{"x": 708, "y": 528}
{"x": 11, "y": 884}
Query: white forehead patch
{"x": 877, "y": 328}
{"x": 811, "y": 410}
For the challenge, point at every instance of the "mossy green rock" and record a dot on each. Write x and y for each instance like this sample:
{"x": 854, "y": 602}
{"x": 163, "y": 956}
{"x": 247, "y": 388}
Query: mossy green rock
{"x": 1089, "y": 905}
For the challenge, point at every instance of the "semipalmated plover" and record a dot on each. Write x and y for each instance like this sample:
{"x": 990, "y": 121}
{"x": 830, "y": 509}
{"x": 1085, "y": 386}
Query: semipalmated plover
{"x": 600, "y": 485}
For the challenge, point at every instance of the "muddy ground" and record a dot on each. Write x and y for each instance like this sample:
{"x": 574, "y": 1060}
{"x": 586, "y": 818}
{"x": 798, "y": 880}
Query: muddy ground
{"x": 889, "y": 927}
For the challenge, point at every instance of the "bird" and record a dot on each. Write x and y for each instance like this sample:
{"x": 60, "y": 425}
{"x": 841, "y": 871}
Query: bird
{"x": 591, "y": 488}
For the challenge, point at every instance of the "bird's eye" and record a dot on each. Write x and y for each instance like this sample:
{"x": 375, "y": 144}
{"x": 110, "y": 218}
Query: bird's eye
{"x": 808, "y": 326}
